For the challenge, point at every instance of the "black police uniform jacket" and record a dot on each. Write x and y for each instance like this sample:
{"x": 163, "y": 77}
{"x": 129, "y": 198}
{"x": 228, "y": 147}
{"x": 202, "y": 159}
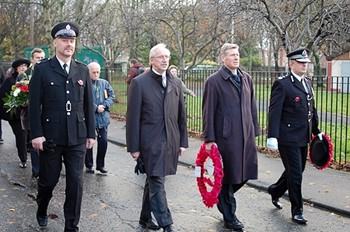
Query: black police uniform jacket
{"x": 61, "y": 106}
{"x": 292, "y": 114}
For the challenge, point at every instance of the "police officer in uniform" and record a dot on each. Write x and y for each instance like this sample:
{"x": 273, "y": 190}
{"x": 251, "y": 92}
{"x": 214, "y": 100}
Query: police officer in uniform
{"x": 62, "y": 123}
{"x": 292, "y": 119}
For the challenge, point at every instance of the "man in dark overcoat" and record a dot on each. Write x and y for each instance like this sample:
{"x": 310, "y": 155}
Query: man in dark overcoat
{"x": 62, "y": 123}
{"x": 230, "y": 123}
{"x": 156, "y": 132}
{"x": 292, "y": 119}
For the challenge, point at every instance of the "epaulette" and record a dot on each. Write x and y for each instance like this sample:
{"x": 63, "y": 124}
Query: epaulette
{"x": 43, "y": 61}
{"x": 281, "y": 77}
{"x": 79, "y": 62}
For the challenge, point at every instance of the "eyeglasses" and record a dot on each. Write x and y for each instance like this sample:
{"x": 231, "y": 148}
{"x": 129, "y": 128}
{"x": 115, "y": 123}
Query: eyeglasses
{"x": 163, "y": 57}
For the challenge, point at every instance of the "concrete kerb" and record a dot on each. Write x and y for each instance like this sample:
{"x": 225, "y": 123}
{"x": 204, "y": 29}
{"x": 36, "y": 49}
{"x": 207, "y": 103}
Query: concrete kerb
{"x": 255, "y": 184}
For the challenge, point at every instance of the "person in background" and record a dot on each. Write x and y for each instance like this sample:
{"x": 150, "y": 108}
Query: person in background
{"x": 136, "y": 69}
{"x": 19, "y": 66}
{"x": 292, "y": 119}
{"x": 174, "y": 71}
{"x": 230, "y": 123}
{"x": 36, "y": 55}
{"x": 104, "y": 96}
{"x": 156, "y": 133}
{"x": 62, "y": 123}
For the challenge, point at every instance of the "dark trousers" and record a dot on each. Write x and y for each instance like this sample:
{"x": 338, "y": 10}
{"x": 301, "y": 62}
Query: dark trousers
{"x": 0, "y": 129}
{"x": 294, "y": 160}
{"x": 227, "y": 202}
{"x": 50, "y": 169}
{"x": 101, "y": 150}
{"x": 34, "y": 155}
{"x": 154, "y": 201}
{"x": 20, "y": 136}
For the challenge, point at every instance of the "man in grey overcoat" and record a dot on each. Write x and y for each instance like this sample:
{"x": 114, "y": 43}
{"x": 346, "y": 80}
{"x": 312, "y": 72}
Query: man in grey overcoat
{"x": 156, "y": 132}
{"x": 230, "y": 123}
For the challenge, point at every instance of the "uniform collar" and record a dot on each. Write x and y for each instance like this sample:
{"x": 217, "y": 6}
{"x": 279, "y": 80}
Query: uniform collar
{"x": 62, "y": 63}
{"x": 297, "y": 77}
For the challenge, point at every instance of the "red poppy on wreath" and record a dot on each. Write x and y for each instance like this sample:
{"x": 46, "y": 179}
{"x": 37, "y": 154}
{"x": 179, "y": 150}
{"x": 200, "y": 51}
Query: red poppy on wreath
{"x": 297, "y": 99}
{"x": 210, "y": 198}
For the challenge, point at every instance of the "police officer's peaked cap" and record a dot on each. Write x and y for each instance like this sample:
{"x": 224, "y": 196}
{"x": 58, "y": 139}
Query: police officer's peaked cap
{"x": 20, "y": 61}
{"x": 300, "y": 55}
{"x": 321, "y": 151}
{"x": 65, "y": 30}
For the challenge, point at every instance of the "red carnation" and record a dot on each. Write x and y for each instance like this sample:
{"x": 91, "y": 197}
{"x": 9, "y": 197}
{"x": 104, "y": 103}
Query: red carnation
{"x": 297, "y": 99}
{"x": 24, "y": 88}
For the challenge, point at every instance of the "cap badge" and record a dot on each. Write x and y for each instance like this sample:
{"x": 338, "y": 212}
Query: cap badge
{"x": 304, "y": 53}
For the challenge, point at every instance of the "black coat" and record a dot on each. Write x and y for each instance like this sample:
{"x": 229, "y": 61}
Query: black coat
{"x": 61, "y": 107}
{"x": 292, "y": 114}
{"x": 156, "y": 122}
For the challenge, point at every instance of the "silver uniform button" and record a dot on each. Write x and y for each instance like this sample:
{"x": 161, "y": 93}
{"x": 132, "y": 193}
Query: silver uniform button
{"x": 67, "y": 91}
{"x": 288, "y": 125}
{"x": 67, "y": 82}
{"x": 68, "y": 113}
{"x": 51, "y": 83}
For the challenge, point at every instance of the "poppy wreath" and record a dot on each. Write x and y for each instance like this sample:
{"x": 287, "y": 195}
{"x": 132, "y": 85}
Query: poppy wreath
{"x": 327, "y": 156}
{"x": 210, "y": 198}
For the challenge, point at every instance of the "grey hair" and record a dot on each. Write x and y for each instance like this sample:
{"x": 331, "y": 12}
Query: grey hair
{"x": 227, "y": 46}
{"x": 154, "y": 49}
{"x": 94, "y": 63}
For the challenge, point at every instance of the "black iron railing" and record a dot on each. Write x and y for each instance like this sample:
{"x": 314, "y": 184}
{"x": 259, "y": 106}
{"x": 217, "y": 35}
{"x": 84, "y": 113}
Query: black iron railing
{"x": 332, "y": 101}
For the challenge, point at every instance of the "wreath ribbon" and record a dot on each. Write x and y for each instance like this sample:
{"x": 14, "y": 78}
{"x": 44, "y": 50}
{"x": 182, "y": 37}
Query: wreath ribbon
{"x": 209, "y": 198}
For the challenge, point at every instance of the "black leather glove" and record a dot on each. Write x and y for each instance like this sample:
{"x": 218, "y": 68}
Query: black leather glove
{"x": 49, "y": 145}
{"x": 140, "y": 166}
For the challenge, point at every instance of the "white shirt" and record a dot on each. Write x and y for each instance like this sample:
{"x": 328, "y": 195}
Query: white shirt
{"x": 62, "y": 63}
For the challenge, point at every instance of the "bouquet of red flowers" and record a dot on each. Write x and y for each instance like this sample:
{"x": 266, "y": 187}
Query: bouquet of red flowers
{"x": 18, "y": 96}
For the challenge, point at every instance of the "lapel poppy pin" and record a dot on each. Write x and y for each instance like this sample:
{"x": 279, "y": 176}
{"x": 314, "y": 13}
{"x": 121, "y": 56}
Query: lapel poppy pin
{"x": 297, "y": 99}
{"x": 80, "y": 82}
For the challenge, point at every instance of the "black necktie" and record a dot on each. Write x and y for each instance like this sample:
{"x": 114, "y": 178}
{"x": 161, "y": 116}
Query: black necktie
{"x": 236, "y": 81}
{"x": 65, "y": 69}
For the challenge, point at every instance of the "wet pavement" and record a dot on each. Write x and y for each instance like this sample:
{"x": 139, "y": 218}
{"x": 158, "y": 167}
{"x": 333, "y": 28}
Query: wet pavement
{"x": 112, "y": 202}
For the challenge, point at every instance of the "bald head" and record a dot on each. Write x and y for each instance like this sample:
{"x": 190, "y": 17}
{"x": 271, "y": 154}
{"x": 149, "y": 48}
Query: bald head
{"x": 94, "y": 70}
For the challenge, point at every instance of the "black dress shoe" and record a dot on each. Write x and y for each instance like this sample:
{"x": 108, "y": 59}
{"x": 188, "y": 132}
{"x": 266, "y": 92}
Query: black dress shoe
{"x": 149, "y": 224}
{"x": 234, "y": 225}
{"x": 299, "y": 218}
{"x": 90, "y": 170}
{"x": 102, "y": 170}
{"x": 35, "y": 175}
{"x": 42, "y": 220}
{"x": 277, "y": 203}
{"x": 168, "y": 228}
